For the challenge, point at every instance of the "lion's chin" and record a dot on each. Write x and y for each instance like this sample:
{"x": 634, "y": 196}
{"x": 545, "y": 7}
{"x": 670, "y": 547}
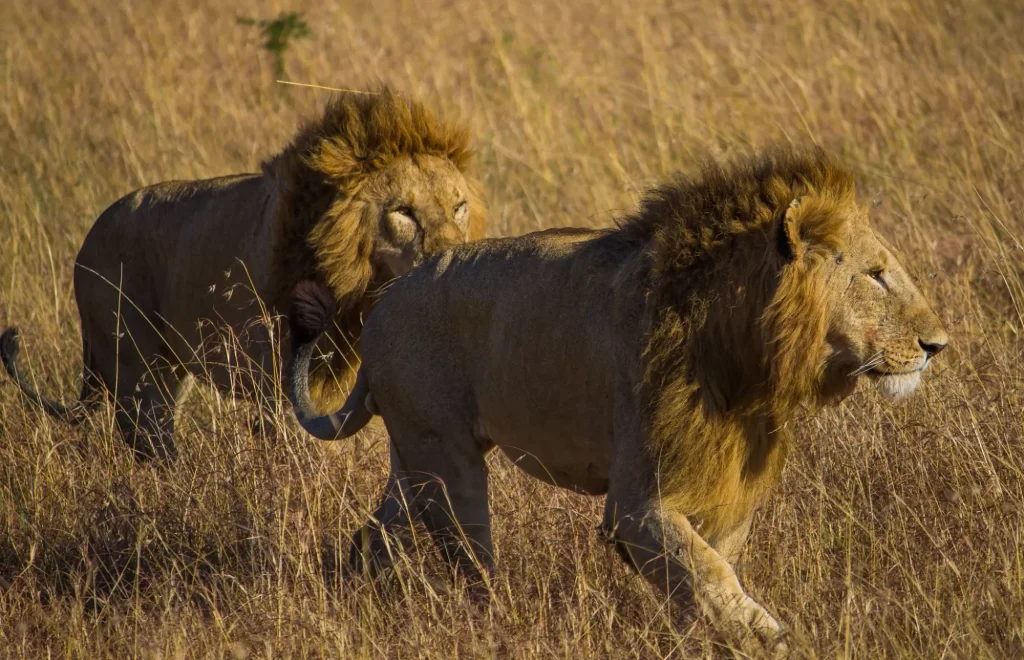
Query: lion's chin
{"x": 894, "y": 387}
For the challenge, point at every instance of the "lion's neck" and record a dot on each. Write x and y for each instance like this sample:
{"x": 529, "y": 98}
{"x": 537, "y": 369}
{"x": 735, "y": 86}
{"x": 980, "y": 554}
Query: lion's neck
{"x": 718, "y": 343}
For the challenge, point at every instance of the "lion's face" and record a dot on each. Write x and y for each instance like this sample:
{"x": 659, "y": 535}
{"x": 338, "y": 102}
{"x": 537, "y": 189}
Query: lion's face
{"x": 422, "y": 205}
{"x": 881, "y": 325}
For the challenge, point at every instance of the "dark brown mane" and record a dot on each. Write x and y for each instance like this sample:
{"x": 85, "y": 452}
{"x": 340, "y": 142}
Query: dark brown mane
{"x": 691, "y": 219}
{"x": 360, "y": 132}
{"x": 733, "y": 325}
{"x": 705, "y": 236}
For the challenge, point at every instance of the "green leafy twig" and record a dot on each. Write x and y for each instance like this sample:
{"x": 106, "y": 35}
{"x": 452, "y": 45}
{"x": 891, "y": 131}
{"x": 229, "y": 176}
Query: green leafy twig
{"x": 279, "y": 34}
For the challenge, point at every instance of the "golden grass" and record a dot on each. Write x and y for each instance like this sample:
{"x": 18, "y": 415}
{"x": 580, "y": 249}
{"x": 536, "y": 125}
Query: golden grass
{"x": 896, "y": 531}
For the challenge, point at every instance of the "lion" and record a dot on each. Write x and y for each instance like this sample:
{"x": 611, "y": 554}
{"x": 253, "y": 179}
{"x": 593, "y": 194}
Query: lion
{"x": 659, "y": 363}
{"x": 183, "y": 278}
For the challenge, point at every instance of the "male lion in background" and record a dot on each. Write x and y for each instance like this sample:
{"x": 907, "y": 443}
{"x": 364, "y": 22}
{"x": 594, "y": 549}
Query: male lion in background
{"x": 172, "y": 278}
{"x": 659, "y": 362}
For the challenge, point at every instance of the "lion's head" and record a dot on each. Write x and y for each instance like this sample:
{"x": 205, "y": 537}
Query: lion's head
{"x": 880, "y": 325}
{"x": 367, "y": 190}
{"x": 767, "y": 289}
{"x": 860, "y": 313}
{"x": 777, "y": 244}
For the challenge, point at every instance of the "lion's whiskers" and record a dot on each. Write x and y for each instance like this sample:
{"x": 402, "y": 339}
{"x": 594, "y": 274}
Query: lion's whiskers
{"x": 872, "y": 362}
{"x": 382, "y": 289}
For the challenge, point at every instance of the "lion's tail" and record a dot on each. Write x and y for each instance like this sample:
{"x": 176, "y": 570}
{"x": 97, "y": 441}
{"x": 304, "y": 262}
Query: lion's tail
{"x": 312, "y": 311}
{"x": 73, "y": 414}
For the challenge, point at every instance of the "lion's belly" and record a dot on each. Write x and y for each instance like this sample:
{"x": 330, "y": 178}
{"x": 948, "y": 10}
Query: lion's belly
{"x": 587, "y": 474}
{"x": 559, "y": 456}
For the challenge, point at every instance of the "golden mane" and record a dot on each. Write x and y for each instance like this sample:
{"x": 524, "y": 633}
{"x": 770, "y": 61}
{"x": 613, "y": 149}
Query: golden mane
{"x": 322, "y": 233}
{"x": 723, "y": 283}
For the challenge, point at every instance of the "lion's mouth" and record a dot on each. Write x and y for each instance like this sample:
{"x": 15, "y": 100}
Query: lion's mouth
{"x": 894, "y": 385}
{"x": 880, "y": 373}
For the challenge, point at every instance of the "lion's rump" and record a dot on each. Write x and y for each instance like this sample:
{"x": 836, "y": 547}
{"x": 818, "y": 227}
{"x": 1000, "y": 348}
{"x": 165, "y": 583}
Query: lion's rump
{"x": 183, "y": 255}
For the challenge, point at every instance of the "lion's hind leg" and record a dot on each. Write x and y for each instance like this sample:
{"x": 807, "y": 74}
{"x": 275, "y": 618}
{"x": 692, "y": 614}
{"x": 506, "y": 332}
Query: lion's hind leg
{"x": 145, "y": 413}
{"x": 377, "y": 544}
{"x": 444, "y": 482}
{"x": 145, "y": 383}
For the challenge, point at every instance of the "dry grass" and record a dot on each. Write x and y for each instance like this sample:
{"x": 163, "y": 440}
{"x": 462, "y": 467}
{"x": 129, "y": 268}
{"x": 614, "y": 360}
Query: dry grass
{"x": 896, "y": 531}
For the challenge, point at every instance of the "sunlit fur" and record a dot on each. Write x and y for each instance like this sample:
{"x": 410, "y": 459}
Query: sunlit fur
{"x": 659, "y": 363}
{"x": 738, "y": 278}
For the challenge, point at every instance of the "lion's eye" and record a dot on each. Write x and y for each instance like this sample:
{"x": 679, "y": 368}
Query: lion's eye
{"x": 406, "y": 211}
{"x": 461, "y": 209}
{"x": 876, "y": 275}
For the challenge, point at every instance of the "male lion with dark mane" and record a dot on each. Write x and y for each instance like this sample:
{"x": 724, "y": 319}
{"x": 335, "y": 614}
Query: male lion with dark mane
{"x": 184, "y": 277}
{"x": 659, "y": 362}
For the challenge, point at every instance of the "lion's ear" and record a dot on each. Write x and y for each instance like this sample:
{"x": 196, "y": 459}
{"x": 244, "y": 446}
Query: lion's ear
{"x": 788, "y": 237}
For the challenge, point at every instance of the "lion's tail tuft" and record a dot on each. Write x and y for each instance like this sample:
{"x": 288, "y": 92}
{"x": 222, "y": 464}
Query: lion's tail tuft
{"x": 313, "y": 310}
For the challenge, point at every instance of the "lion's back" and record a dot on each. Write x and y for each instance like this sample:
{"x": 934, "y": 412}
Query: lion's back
{"x": 488, "y": 319}
{"x": 159, "y": 212}
{"x": 162, "y": 209}
{"x": 467, "y": 284}
{"x": 171, "y": 247}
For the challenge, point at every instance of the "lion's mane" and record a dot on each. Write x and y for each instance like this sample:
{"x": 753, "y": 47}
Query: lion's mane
{"x": 321, "y": 232}
{"x": 729, "y": 382}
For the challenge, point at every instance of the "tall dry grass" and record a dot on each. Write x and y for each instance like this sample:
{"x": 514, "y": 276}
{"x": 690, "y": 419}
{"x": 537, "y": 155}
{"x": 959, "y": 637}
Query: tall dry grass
{"x": 896, "y": 531}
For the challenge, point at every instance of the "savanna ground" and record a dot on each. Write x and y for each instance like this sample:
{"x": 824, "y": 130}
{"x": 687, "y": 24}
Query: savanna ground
{"x": 896, "y": 531}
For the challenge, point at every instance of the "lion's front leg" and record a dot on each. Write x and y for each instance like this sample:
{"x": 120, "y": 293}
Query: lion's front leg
{"x": 666, "y": 549}
{"x": 716, "y": 585}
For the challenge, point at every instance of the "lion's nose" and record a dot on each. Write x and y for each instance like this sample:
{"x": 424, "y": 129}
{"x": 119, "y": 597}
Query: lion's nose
{"x": 932, "y": 348}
